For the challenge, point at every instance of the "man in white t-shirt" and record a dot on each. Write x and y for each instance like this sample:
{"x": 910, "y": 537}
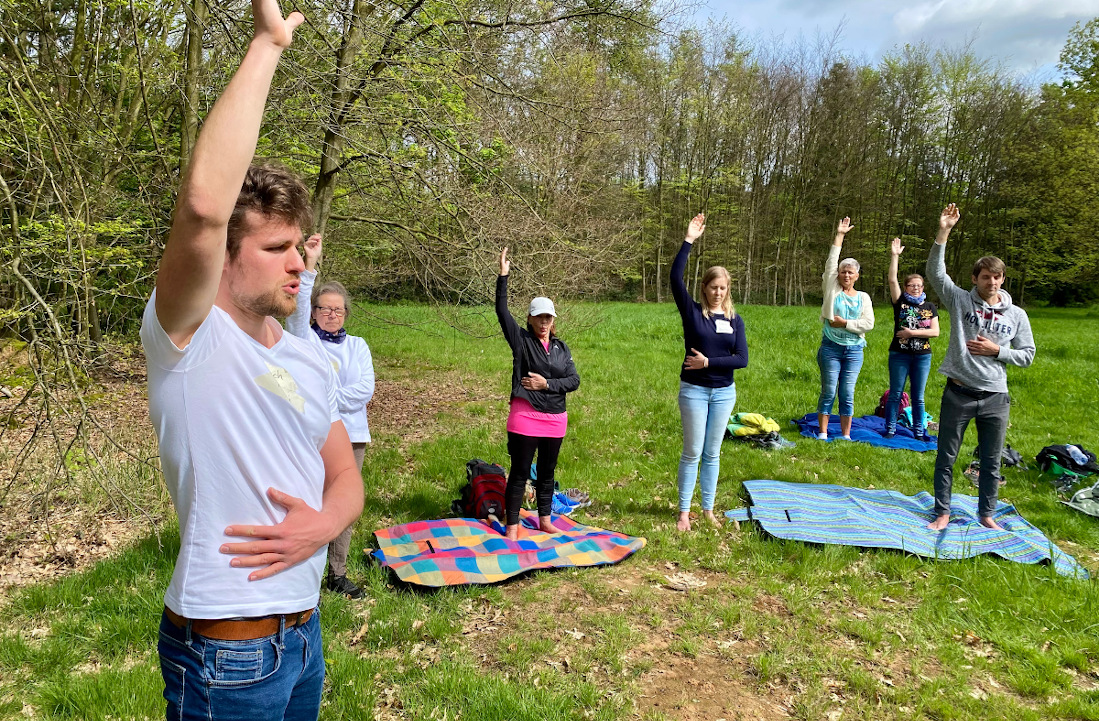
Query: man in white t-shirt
{"x": 254, "y": 454}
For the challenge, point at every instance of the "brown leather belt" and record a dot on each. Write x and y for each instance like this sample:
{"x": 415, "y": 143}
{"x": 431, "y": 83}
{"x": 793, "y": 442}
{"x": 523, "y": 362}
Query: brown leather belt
{"x": 245, "y": 629}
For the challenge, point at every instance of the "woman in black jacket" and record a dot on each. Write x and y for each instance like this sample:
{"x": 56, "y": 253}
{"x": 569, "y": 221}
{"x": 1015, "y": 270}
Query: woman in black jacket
{"x": 542, "y": 373}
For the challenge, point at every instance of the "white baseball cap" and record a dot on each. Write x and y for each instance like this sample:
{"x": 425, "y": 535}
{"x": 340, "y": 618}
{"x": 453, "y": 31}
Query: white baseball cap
{"x": 541, "y": 305}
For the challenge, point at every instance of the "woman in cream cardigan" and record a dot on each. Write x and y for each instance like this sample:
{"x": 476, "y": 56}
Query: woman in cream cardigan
{"x": 846, "y": 315}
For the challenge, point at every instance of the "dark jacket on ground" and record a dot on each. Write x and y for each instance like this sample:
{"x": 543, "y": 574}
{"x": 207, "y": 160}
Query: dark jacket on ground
{"x": 529, "y": 355}
{"x": 725, "y": 351}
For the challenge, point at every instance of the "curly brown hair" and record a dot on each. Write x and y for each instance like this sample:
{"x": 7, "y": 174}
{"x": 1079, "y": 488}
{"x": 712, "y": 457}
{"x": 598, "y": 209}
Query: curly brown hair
{"x": 270, "y": 190}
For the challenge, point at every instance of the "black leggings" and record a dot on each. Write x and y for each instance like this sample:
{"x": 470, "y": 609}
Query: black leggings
{"x": 521, "y": 449}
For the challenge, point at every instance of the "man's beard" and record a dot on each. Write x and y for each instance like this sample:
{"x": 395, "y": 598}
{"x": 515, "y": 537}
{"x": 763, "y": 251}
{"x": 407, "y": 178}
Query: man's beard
{"x": 275, "y": 304}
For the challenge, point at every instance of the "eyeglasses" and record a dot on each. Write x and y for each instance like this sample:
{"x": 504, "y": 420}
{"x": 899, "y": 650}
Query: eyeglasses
{"x": 338, "y": 312}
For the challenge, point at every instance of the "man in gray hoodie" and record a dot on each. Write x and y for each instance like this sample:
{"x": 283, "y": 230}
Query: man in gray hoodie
{"x": 986, "y": 333}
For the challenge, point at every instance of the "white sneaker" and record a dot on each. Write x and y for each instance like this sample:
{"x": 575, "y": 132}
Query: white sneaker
{"x": 822, "y": 436}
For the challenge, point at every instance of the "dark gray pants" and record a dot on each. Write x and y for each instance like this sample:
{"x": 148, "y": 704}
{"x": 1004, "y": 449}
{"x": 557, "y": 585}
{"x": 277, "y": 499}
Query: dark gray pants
{"x": 991, "y": 414}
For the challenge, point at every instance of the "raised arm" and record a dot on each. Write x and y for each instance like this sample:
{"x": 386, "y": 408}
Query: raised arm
{"x": 191, "y": 267}
{"x": 507, "y": 323}
{"x": 298, "y": 321}
{"x": 895, "y": 251}
{"x": 695, "y": 229}
{"x": 937, "y": 277}
{"x": 831, "y": 263}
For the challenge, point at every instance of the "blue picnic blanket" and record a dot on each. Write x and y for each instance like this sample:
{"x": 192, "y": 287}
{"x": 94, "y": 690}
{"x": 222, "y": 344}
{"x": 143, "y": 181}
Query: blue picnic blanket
{"x": 888, "y": 519}
{"x": 868, "y": 429}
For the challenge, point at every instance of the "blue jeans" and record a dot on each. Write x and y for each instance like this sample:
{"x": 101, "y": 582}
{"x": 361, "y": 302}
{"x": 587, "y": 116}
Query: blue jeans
{"x": 914, "y": 366}
{"x": 705, "y": 413}
{"x": 839, "y": 365}
{"x": 272, "y": 678}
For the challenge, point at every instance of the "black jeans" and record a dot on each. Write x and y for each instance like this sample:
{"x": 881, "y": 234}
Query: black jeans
{"x": 991, "y": 411}
{"x": 522, "y": 449}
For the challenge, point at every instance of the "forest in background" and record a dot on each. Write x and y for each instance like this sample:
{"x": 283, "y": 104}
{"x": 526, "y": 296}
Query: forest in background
{"x": 582, "y": 133}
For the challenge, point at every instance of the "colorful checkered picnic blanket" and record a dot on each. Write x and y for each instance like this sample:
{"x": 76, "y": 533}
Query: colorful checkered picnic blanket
{"x": 888, "y": 519}
{"x": 459, "y": 551}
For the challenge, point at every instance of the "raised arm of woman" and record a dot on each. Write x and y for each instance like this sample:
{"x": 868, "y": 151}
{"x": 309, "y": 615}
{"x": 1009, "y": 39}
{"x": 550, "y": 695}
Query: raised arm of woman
{"x": 507, "y": 323}
{"x": 895, "y": 251}
{"x": 679, "y": 289}
{"x": 297, "y": 323}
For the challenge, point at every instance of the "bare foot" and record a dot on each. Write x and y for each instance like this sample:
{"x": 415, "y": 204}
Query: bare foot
{"x": 512, "y": 532}
{"x": 545, "y": 525}
{"x": 990, "y": 522}
{"x": 940, "y": 522}
{"x": 684, "y": 522}
{"x": 709, "y": 516}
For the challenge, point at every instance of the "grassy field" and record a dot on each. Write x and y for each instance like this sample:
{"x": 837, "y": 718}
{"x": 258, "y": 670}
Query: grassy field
{"x": 779, "y": 630}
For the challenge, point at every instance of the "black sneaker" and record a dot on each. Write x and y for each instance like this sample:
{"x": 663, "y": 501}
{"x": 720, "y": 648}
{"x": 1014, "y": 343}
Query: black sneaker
{"x": 340, "y": 584}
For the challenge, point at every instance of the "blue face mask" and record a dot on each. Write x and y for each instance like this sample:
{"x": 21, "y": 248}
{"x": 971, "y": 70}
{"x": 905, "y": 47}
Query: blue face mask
{"x": 337, "y": 337}
{"x": 915, "y": 299}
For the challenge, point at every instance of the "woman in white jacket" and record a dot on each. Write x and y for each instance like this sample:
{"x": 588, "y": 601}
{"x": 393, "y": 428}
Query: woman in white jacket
{"x": 846, "y": 315}
{"x": 320, "y": 316}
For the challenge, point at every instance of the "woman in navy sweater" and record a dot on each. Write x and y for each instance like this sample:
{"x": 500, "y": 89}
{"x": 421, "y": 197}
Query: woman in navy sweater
{"x": 714, "y": 344}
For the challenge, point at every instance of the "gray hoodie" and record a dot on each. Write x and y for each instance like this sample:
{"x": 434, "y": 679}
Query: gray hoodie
{"x": 1004, "y": 324}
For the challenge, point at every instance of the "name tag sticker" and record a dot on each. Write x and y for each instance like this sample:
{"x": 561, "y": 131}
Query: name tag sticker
{"x": 723, "y": 326}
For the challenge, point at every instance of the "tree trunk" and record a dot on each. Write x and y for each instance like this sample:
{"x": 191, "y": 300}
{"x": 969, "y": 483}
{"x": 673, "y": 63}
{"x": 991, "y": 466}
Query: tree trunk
{"x": 196, "y": 22}
{"x": 341, "y": 102}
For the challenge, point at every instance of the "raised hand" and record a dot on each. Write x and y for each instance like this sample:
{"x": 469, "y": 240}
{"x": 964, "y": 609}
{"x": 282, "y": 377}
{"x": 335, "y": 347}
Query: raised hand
{"x": 269, "y": 25}
{"x": 949, "y": 217}
{"x": 844, "y": 226}
{"x": 505, "y": 264}
{"x": 695, "y": 228}
{"x": 896, "y": 248}
{"x": 313, "y": 247}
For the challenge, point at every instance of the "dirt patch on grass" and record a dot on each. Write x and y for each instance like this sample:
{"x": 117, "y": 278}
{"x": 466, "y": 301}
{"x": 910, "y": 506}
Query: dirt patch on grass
{"x": 408, "y": 405}
{"x": 705, "y": 687}
{"x": 64, "y": 512}
{"x": 648, "y": 662}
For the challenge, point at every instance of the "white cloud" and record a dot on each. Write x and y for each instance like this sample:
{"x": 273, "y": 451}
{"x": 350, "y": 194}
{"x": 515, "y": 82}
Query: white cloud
{"x": 1024, "y": 35}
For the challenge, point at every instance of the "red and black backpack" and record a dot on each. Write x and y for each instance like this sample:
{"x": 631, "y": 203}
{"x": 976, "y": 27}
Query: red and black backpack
{"x": 483, "y": 495}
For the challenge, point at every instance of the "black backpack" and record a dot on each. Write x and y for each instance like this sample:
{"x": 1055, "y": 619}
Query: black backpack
{"x": 1008, "y": 457}
{"x": 483, "y": 495}
{"x": 1060, "y": 455}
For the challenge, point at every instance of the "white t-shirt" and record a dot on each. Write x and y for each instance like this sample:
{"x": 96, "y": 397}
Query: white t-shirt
{"x": 234, "y": 418}
{"x": 351, "y": 359}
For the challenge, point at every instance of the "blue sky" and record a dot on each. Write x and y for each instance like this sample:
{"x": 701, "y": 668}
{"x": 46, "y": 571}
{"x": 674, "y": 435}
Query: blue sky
{"x": 1025, "y": 35}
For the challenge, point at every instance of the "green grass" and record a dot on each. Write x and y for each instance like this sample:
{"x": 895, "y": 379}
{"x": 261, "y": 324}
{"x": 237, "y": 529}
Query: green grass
{"x": 811, "y": 629}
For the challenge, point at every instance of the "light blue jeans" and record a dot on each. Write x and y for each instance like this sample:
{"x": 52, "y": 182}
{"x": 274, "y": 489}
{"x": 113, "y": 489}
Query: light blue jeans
{"x": 839, "y": 365}
{"x": 275, "y": 678}
{"x": 705, "y": 413}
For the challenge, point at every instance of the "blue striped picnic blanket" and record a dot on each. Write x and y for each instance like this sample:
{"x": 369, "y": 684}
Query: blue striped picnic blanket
{"x": 888, "y": 519}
